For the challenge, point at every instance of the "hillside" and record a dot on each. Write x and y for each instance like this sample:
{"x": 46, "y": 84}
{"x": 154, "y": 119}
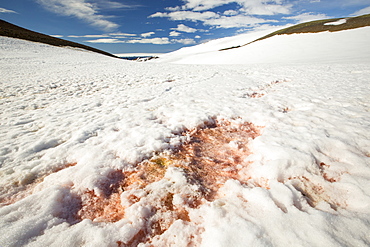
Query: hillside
{"x": 10, "y": 30}
{"x": 331, "y": 25}
{"x": 332, "y": 40}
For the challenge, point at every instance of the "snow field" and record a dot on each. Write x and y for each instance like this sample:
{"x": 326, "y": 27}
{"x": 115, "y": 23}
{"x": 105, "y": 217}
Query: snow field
{"x": 307, "y": 48}
{"x": 98, "y": 151}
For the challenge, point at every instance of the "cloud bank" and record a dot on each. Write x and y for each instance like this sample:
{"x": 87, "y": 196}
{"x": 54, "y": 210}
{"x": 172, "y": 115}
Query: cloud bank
{"x": 246, "y": 14}
{"x": 88, "y": 12}
{"x": 183, "y": 28}
{"x": 140, "y": 40}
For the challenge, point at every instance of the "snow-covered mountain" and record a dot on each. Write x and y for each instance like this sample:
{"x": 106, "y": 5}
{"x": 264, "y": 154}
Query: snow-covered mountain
{"x": 328, "y": 47}
{"x": 97, "y": 151}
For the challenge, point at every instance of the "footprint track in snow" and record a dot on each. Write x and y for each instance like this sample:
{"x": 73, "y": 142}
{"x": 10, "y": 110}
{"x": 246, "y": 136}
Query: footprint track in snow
{"x": 262, "y": 90}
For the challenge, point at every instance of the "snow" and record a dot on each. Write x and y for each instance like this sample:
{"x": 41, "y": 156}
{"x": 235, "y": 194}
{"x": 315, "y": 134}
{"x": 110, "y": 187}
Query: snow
{"x": 218, "y": 44}
{"x": 335, "y": 23}
{"x": 138, "y": 54}
{"x": 324, "y": 47}
{"x": 97, "y": 151}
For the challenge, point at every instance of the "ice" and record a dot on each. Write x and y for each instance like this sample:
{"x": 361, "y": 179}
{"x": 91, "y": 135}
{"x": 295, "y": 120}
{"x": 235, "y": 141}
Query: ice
{"x": 97, "y": 151}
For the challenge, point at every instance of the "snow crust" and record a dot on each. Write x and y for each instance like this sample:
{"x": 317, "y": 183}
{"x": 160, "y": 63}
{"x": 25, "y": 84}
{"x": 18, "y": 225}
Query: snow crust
{"x": 72, "y": 122}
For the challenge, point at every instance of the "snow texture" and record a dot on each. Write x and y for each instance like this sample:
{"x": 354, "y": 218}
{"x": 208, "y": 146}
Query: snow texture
{"x": 97, "y": 151}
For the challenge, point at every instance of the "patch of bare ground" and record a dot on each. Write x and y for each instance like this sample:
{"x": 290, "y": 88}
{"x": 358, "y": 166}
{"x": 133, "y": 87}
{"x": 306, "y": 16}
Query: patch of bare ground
{"x": 21, "y": 189}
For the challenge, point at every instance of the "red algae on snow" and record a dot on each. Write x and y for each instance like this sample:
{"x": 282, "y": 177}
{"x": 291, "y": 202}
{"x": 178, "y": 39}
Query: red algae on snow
{"x": 215, "y": 154}
{"x": 21, "y": 189}
{"x": 321, "y": 188}
{"x": 107, "y": 206}
{"x": 316, "y": 192}
{"x": 210, "y": 156}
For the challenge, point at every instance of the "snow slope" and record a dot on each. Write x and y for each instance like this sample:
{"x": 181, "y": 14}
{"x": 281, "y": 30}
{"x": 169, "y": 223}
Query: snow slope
{"x": 97, "y": 151}
{"x": 328, "y": 47}
{"x": 214, "y": 45}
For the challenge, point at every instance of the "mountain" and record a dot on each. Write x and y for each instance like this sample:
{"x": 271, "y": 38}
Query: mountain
{"x": 10, "y": 30}
{"x": 331, "y": 25}
{"x": 324, "y": 40}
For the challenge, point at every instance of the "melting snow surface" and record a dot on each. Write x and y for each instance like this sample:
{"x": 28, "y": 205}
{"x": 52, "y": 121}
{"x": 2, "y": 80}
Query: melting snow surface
{"x": 97, "y": 151}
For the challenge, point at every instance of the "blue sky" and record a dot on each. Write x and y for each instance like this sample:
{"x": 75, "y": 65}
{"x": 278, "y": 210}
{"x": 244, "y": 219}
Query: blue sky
{"x": 159, "y": 26}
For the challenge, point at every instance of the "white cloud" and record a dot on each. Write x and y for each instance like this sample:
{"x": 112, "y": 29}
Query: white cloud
{"x": 122, "y": 34}
{"x": 244, "y": 16}
{"x": 105, "y": 41}
{"x": 230, "y": 12}
{"x": 183, "y": 28}
{"x": 83, "y": 10}
{"x": 106, "y": 4}
{"x": 363, "y": 11}
{"x": 259, "y": 8}
{"x": 156, "y": 41}
{"x": 187, "y": 15}
{"x": 212, "y": 19}
{"x": 184, "y": 41}
{"x": 252, "y": 7}
{"x": 174, "y": 34}
{"x": 145, "y": 35}
{"x": 235, "y": 21}
{"x": 197, "y": 37}
{"x": 88, "y": 36}
{"x": 305, "y": 17}
{"x": 201, "y": 5}
{"x": 57, "y": 36}
{"x": 177, "y": 8}
{"x": 2, "y": 10}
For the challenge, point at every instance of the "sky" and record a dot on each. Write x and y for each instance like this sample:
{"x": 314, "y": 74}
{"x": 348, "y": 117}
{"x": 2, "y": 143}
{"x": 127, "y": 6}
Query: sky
{"x": 161, "y": 26}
